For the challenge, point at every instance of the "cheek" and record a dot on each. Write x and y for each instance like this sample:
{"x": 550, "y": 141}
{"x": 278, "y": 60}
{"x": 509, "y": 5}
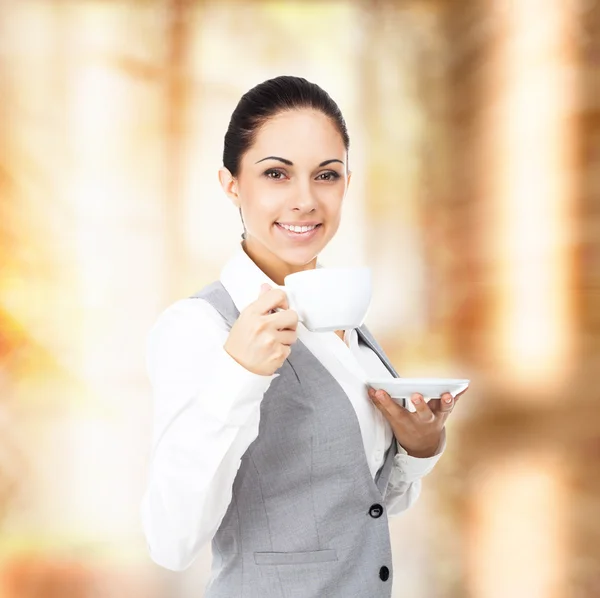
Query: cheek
{"x": 331, "y": 200}
{"x": 262, "y": 203}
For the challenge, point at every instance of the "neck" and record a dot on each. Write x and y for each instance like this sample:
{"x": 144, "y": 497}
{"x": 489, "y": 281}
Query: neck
{"x": 271, "y": 264}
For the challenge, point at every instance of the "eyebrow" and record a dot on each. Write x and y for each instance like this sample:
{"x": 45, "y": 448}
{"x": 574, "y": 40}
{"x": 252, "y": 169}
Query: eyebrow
{"x": 290, "y": 163}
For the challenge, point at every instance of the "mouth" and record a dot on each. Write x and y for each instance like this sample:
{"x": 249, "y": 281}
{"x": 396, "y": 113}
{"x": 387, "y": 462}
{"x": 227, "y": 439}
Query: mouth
{"x": 299, "y": 232}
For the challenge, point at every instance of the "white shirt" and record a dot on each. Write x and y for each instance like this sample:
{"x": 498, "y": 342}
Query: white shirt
{"x": 207, "y": 411}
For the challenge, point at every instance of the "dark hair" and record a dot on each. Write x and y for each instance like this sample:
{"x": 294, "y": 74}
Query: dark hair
{"x": 268, "y": 99}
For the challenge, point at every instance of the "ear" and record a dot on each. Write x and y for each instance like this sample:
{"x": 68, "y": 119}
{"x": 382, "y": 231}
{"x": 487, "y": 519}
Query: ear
{"x": 348, "y": 179}
{"x": 229, "y": 185}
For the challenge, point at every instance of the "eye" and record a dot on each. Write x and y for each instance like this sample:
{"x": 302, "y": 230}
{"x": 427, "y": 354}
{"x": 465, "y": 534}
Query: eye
{"x": 274, "y": 174}
{"x": 330, "y": 175}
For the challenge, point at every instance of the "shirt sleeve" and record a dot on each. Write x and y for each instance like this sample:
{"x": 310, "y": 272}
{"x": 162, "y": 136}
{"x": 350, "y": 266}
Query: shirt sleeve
{"x": 206, "y": 411}
{"x": 405, "y": 484}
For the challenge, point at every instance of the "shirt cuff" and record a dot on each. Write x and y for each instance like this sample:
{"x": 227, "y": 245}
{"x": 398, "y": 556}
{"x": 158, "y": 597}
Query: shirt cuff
{"x": 238, "y": 392}
{"x": 408, "y": 468}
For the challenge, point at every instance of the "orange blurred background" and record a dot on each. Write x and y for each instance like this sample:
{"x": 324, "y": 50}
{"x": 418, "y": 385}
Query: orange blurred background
{"x": 475, "y": 198}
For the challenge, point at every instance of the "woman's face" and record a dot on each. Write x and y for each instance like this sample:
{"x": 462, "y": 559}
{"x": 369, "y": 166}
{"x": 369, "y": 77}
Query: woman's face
{"x": 295, "y": 173}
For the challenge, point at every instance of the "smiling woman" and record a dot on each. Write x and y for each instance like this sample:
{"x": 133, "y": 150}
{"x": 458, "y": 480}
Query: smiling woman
{"x": 270, "y": 448}
{"x": 285, "y": 165}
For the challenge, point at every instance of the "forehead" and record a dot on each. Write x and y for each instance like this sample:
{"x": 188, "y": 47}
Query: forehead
{"x": 297, "y": 135}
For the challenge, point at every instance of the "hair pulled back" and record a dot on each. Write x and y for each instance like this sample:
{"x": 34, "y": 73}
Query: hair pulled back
{"x": 268, "y": 99}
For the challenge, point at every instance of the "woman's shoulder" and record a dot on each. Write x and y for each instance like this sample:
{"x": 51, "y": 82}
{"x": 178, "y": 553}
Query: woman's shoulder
{"x": 185, "y": 316}
{"x": 185, "y": 341}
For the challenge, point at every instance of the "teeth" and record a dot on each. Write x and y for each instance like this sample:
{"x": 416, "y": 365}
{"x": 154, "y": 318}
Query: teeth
{"x": 298, "y": 229}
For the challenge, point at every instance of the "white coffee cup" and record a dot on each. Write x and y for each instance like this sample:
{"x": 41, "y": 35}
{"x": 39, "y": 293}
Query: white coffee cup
{"x": 328, "y": 299}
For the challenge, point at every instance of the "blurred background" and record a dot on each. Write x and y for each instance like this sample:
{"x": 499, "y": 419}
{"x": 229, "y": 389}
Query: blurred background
{"x": 475, "y": 150}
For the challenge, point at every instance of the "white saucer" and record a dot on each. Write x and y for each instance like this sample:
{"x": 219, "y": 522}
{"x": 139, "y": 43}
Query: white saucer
{"x": 400, "y": 389}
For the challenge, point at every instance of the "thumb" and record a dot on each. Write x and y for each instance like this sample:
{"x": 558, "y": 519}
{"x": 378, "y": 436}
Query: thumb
{"x": 264, "y": 287}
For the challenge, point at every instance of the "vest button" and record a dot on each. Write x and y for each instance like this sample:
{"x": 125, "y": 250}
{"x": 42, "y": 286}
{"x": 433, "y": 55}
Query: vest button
{"x": 384, "y": 573}
{"x": 376, "y": 510}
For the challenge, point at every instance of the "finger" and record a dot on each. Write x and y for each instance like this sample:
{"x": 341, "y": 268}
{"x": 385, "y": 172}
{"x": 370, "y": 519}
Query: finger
{"x": 286, "y": 337}
{"x": 446, "y": 403}
{"x": 423, "y": 412}
{"x": 434, "y": 405}
{"x": 286, "y": 319}
{"x": 386, "y": 404}
{"x": 439, "y": 405}
{"x": 271, "y": 299}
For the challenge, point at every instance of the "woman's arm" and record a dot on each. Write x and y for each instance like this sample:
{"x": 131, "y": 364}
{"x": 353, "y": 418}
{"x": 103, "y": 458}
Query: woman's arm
{"x": 404, "y": 486}
{"x": 206, "y": 414}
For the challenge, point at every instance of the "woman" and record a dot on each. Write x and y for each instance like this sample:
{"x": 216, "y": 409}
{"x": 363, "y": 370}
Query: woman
{"x": 265, "y": 443}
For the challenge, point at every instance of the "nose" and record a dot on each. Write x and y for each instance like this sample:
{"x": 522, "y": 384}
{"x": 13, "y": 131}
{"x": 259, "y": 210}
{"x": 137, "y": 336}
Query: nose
{"x": 305, "y": 200}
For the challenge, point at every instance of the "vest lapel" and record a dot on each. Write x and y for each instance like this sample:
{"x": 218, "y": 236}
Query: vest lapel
{"x": 368, "y": 338}
{"x": 382, "y": 474}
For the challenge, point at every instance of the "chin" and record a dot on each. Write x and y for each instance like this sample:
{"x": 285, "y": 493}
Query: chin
{"x": 296, "y": 257}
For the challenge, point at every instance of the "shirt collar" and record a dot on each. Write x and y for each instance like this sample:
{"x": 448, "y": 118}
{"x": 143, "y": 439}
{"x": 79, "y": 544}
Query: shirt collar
{"x": 242, "y": 278}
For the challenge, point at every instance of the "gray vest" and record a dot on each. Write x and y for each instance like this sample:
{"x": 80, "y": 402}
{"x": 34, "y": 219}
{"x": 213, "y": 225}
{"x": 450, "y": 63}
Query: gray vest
{"x": 306, "y": 518}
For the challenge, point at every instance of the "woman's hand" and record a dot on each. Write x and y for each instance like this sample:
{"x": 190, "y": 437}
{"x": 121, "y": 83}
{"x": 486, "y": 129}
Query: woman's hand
{"x": 260, "y": 340}
{"x": 418, "y": 433}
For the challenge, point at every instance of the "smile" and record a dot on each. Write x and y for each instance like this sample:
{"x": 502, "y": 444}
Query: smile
{"x": 298, "y": 232}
